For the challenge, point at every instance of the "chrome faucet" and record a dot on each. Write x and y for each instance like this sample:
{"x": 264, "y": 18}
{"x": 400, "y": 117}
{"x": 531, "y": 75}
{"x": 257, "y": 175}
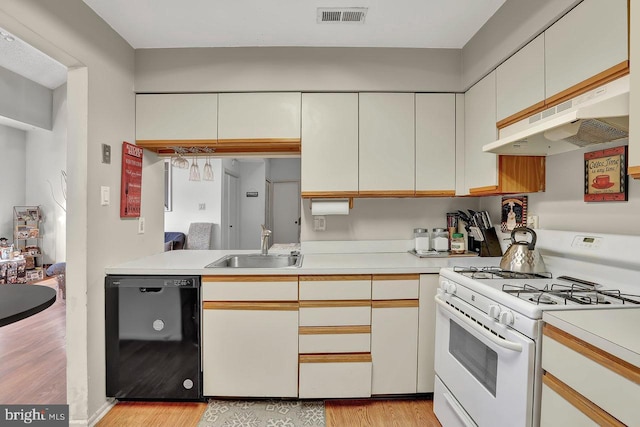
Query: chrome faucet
{"x": 264, "y": 240}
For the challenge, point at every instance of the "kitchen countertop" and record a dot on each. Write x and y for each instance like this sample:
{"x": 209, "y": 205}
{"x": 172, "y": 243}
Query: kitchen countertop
{"x": 192, "y": 262}
{"x": 612, "y": 330}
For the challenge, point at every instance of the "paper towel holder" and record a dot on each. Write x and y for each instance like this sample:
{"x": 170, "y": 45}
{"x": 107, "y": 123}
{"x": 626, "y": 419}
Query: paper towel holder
{"x": 331, "y": 199}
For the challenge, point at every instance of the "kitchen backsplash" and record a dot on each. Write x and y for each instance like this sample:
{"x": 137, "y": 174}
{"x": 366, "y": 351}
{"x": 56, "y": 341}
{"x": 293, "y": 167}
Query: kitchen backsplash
{"x": 384, "y": 219}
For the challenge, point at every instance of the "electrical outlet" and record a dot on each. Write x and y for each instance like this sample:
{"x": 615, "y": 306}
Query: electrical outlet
{"x": 202, "y": 206}
{"x": 140, "y": 225}
{"x": 532, "y": 221}
{"x": 319, "y": 223}
{"x": 106, "y": 153}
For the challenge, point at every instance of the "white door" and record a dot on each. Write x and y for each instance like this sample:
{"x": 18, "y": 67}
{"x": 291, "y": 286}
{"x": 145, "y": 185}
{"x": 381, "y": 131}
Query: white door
{"x": 230, "y": 212}
{"x": 286, "y": 212}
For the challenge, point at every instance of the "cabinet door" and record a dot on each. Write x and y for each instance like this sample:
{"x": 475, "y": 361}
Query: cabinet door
{"x": 481, "y": 169}
{"x": 269, "y": 115}
{"x": 587, "y": 41}
{"x": 250, "y": 349}
{"x": 427, "y": 332}
{"x": 435, "y": 144}
{"x": 394, "y": 346}
{"x": 520, "y": 83}
{"x": 177, "y": 116}
{"x": 387, "y": 144}
{"x": 330, "y": 143}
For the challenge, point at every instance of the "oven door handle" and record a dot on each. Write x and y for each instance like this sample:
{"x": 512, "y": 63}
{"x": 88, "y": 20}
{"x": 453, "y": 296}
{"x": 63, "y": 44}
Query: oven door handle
{"x": 510, "y": 345}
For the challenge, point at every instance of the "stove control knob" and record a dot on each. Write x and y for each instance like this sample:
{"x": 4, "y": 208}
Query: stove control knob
{"x": 494, "y": 311}
{"x": 450, "y": 288}
{"x": 506, "y": 318}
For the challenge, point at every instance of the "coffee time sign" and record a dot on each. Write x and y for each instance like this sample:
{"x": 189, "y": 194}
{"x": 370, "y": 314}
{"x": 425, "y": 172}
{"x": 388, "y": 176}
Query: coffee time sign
{"x": 605, "y": 175}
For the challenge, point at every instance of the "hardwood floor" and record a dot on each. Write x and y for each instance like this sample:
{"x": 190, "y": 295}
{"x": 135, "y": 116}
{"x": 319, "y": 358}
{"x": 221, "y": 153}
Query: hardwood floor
{"x": 339, "y": 413}
{"x": 33, "y": 361}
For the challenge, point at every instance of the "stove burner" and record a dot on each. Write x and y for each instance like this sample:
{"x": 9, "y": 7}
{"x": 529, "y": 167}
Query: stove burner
{"x": 543, "y": 298}
{"x": 498, "y": 273}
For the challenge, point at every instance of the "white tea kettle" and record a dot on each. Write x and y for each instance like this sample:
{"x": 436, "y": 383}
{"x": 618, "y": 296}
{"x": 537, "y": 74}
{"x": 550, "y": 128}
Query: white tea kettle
{"x": 522, "y": 257}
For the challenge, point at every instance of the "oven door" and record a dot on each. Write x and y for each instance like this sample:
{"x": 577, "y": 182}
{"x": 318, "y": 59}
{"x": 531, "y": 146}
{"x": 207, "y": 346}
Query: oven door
{"x": 487, "y": 368}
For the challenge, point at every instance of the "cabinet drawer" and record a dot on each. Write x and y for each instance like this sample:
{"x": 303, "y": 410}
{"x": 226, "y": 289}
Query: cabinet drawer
{"x": 335, "y": 287}
{"x": 327, "y": 376}
{"x": 609, "y": 390}
{"x": 335, "y": 313}
{"x": 334, "y": 339}
{"x": 556, "y": 411}
{"x": 249, "y": 288}
{"x": 395, "y": 286}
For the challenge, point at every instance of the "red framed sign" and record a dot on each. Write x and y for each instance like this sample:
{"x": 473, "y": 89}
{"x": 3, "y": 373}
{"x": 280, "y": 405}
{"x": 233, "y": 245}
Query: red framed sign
{"x": 605, "y": 175}
{"x": 131, "y": 181}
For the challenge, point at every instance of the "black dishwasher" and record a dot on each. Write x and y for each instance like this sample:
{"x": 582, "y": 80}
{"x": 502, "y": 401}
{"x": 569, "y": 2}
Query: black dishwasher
{"x": 153, "y": 337}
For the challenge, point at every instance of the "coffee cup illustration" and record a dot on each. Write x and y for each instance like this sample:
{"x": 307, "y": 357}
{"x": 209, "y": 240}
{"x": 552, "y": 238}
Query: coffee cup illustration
{"x": 602, "y": 181}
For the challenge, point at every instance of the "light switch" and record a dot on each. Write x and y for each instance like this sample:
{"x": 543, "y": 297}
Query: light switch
{"x": 319, "y": 223}
{"x": 106, "y": 153}
{"x": 105, "y": 197}
{"x": 140, "y": 225}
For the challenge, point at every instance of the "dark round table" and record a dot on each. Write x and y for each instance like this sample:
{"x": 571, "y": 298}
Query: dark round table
{"x": 20, "y": 301}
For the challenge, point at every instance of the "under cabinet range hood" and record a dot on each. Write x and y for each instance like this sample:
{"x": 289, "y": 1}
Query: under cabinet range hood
{"x": 598, "y": 116}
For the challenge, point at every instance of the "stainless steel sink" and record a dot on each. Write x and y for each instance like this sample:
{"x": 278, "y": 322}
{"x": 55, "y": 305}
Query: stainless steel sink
{"x": 293, "y": 260}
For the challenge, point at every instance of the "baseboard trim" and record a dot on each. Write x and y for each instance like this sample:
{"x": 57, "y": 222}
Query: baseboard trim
{"x": 100, "y": 413}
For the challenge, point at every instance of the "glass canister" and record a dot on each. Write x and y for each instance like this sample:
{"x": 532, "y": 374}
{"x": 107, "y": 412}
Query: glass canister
{"x": 457, "y": 244}
{"x": 421, "y": 238}
{"x": 440, "y": 240}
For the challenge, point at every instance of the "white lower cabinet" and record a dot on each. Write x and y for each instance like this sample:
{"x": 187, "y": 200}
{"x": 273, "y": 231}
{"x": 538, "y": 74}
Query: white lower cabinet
{"x": 556, "y": 411}
{"x": 250, "y": 352}
{"x": 394, "y": 334}
{"x": 427, "y": 332}
{"x": 335, "y": 376}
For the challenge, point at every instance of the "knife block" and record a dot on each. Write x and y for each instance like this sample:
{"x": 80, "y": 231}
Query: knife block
{"x": 491, "y": 244}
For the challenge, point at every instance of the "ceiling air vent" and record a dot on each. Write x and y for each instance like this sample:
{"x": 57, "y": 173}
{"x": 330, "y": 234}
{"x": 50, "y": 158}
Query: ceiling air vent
{"x": 341, "y": 15}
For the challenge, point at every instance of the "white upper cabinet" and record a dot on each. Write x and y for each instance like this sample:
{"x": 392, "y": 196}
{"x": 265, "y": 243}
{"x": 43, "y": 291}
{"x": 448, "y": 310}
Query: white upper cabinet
{"x": 435, "y": 144}
{"x": 177, "y": 116}
{"x": 520, "y": 80}
{"x": 387, "y": 144}
{"x": 588, "y": 40}
{"x": 481, "y": 169}
{"x": 259, "y": 115}
{"x": 330, "y": 142}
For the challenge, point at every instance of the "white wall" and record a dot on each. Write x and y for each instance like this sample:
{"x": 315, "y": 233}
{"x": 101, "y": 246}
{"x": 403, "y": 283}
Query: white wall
{"x": 188, "y": 195}
{"x": 384, "y": 219}
{"x": 252, "y": 209}
{"x": 101, "y": 108}
{"x": 24, "y": 100}
{"x": 46, "y": 158}
{"x": 562, "y": 206}
{"x": 297, "y": 69}
{"x": 284, "y": 169}
{"x": 12, "y": 184}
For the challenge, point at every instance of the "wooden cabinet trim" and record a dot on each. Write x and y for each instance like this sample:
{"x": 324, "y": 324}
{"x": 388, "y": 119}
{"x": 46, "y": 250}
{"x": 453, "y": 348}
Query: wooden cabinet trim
{"x": 333, "y": 278}
{"x": 580, "y": 402}
{"x": 328, "y": 194}
{"x": 396, "y": 277}
{"x": 335, "y": 303}
{"x": 535, "y": 108}
{"x": 490, "y": 189}
{"x": 435, "y": 193}
{"x": 335, "y": 358}
{"x": 390, "y": 193}
{"x": 395, "y": 303}
{"x": 609, "y": 361}
{"x": 250, "y": 305}
{"x": 256, "y": 278}
{"x": 611, "y": 74}
{"x": 334, "y": 330}
{"x": 289, "y": 146}
{"x": 634, "y": 171}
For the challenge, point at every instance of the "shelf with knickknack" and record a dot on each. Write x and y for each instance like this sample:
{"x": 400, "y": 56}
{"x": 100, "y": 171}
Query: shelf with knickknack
{"x": 27, "y": 239}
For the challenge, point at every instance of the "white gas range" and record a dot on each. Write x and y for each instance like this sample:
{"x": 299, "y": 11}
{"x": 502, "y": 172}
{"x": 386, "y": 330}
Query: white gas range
{"x": 489, "y": 323}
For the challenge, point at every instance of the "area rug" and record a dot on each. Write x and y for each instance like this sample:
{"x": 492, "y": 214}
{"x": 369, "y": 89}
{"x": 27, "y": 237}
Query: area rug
{"x": 263, "y": 413}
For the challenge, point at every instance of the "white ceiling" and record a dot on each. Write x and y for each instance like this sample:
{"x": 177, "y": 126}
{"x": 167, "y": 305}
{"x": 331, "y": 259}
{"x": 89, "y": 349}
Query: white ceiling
{"x": 231, "y": 23}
